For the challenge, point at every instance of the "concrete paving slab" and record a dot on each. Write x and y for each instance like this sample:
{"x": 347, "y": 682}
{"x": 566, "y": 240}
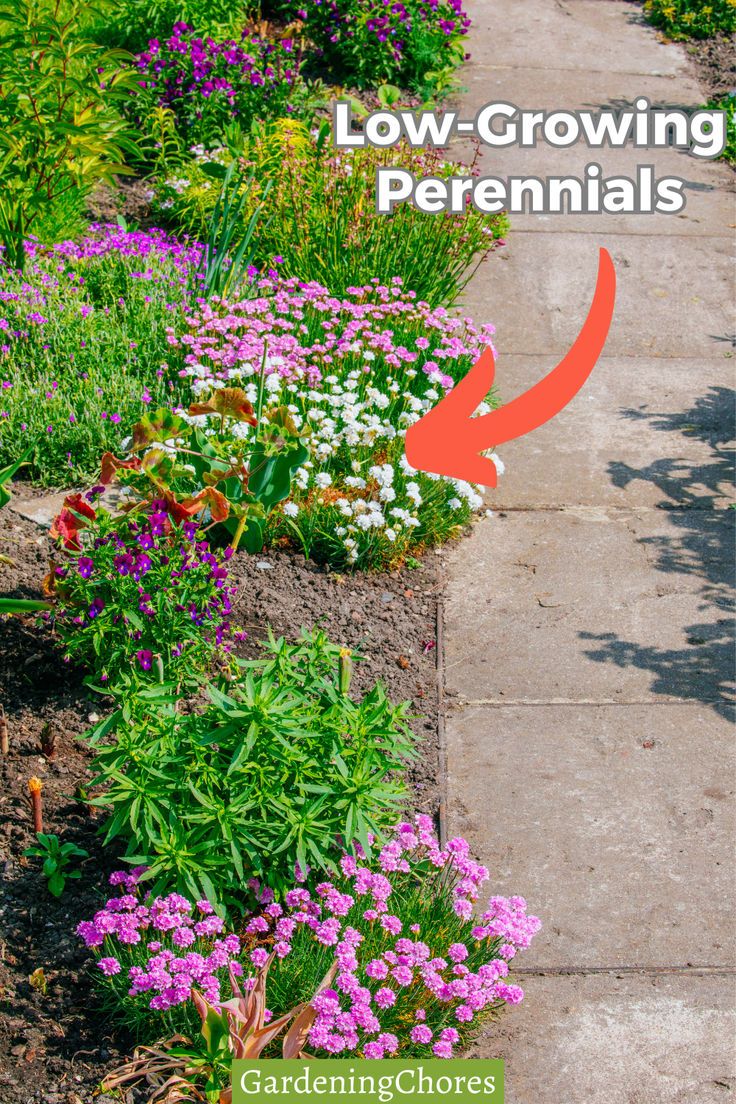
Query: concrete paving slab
{"x": 622, "y": 832}
{"x": 710, "y": 202}
{"x": 576, "y": 89}
{"x": 674, "y": 295}
{"x": 590, "y": 604}
{"x": 618, "y": 1040}
{"x": 641, "y": 432}
{"x": 570, "y": 34}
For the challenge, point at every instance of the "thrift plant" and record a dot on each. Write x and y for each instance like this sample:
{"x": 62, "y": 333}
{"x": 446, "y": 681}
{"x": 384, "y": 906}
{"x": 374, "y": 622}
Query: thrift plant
{"x": 353, "y": 373}
{"x": 416, "y": 967}
{"x": 139, "y": 599}
{"x": 279, "y": 766}
{"x": 320, "y": 222}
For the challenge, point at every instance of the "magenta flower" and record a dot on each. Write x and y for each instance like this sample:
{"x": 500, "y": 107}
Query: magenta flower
{"x": 145, "y": 658}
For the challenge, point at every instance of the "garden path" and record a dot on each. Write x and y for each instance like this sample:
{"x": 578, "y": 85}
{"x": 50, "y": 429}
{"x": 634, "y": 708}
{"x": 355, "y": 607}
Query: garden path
{"x": 587, "y": 651}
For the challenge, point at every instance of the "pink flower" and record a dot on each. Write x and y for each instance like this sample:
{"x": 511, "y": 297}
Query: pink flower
{"x": 109, "y": 966}
{"x": 385, "y": 997}
{"x": 421, "y": 1034}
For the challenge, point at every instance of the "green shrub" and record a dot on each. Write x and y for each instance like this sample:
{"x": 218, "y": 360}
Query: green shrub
{"x": 269, "y": 775}
{"x": 693, "y": 18}
{"x": 417, "y": 43}
{"x": 320, "y": 219}
{"x": 60, "y": 130}
{"x": 133, "y": 24}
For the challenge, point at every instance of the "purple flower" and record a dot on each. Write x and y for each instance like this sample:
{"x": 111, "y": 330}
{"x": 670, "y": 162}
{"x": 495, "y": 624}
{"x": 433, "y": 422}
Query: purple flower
{"x": 145, "y": 658}
{"x": 85, "y": 566}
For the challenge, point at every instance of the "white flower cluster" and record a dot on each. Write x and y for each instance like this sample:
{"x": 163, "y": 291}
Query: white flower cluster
{"x": 349, "y": 425}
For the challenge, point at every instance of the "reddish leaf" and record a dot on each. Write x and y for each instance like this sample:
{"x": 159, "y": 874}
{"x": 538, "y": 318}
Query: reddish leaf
{"x": 110, "y": 466}
{"x": 229, "y": 402}
{"x": 162, "y": 425}
{"x": 73, "y": 517}
{"x": 158, "y": 466}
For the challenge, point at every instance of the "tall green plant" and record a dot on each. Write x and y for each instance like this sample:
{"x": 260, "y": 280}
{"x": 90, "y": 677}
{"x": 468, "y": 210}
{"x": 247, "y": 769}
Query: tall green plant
{"x": 60, "y": 130}
{"x": 230, "y": 244}
{"x": 279, "y": 767}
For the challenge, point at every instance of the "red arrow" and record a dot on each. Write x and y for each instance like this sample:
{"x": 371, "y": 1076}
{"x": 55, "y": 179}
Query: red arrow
{"x": 448, "y": 440}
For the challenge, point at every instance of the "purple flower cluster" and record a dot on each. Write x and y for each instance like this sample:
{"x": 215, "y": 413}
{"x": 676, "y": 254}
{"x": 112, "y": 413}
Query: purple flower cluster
{"x": 206, "y": 82}
{"x": 160, "y": 589}
{"x": 370, "y": 39}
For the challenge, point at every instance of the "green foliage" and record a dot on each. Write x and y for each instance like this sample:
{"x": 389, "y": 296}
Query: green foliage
{"x": 7, "y": 473}
{"x": 218, "y": 469}
{"x": 84, "y": 338}
{"x": 321, "y": 219}
{"x": 134, "y": 23}
{"x": 277, "y": 767}
{"x": 230, "y": 238}
{"x": 60, "y": 130}
{"x": 693, "y": 18}
{"x": 727, "y": 103}
{"x": 57, "y": 858}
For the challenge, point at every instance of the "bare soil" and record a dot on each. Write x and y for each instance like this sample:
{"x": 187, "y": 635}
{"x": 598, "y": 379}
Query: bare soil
{"x": 55, "y": 1046}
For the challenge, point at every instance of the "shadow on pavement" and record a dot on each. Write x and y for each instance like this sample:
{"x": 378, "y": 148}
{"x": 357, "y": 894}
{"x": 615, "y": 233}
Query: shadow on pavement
{"x": 701, "y": 544}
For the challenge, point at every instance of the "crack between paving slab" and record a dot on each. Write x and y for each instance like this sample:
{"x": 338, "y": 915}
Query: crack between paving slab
{"x": 575, "y": 507}
{"x": 467, "y": 703}
{"x": 644, "y": 971}
{"x": 477, "y": 68}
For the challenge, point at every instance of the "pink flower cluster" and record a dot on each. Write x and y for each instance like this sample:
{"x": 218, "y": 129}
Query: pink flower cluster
{"x": 181, "y": 940}
{"x": 414, "y": 970}
{"x": 308, "y": 333}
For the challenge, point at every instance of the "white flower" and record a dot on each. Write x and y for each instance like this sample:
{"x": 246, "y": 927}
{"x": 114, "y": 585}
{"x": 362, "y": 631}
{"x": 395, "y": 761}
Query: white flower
{"x": 500, "y": 466}
{"x": 323, "y": 479}
{"x": 454, "y": 503}
{"x": 291, "y": 509}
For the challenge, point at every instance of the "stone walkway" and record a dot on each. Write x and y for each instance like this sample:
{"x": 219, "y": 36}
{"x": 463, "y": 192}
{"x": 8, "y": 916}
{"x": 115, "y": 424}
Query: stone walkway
{"x": 588, "y": 648}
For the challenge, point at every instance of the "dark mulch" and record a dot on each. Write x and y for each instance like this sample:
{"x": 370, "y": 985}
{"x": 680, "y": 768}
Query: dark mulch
{"x": 715, "y": 63}
{"x": 55, "y": 1047}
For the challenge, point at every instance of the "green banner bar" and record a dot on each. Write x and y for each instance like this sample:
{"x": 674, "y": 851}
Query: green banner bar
{"x": 337, "y": 1080}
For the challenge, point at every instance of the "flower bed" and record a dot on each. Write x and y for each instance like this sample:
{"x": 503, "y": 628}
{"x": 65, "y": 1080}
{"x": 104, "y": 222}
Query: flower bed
{"x": 83, "y": 338}
{"x": 386, "y": 954}
{"x": 355, "y": 372}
